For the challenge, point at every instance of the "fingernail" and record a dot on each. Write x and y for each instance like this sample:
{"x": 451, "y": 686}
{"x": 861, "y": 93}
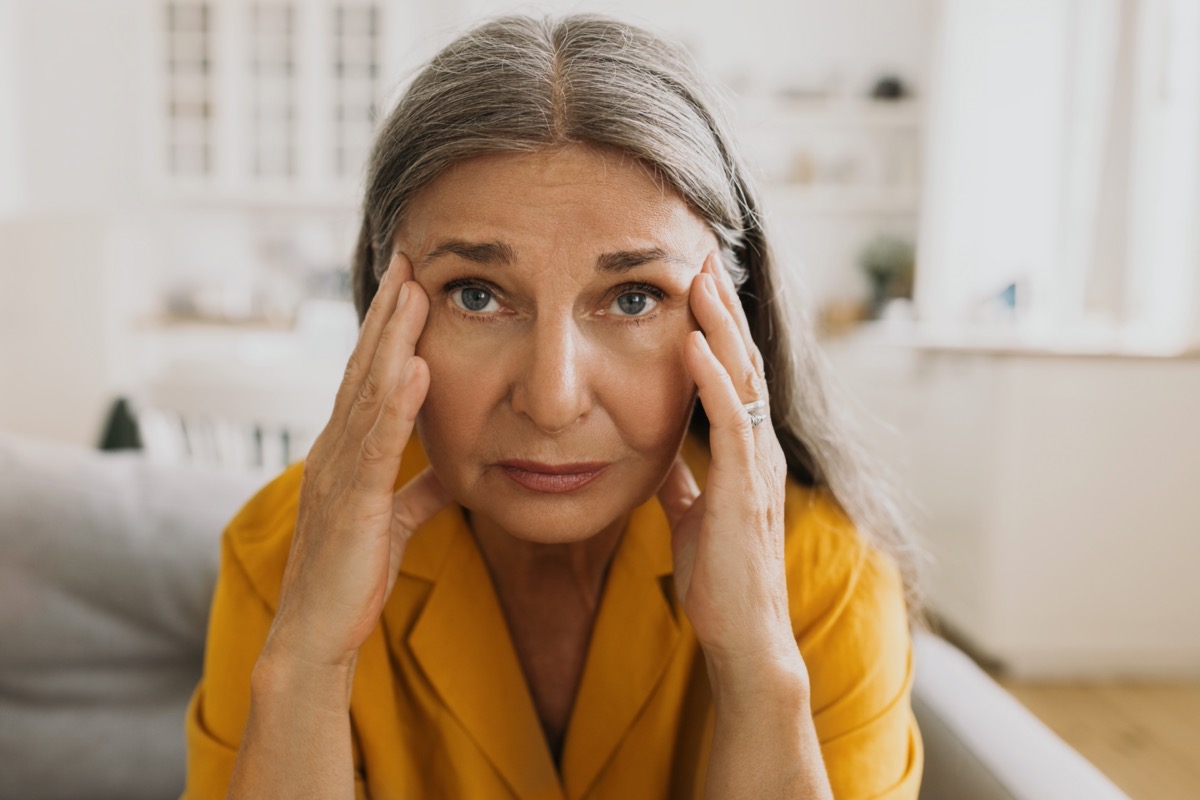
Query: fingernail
{"x": 710, "y": 285}
{"x": 403, "y": 295}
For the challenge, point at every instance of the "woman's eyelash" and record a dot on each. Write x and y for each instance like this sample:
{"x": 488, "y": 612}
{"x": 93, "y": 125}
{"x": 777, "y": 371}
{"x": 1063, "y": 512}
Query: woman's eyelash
{"x": 625, "y": 288}
{"x": 649, "y": 289}
{"x": 470, "y": 283}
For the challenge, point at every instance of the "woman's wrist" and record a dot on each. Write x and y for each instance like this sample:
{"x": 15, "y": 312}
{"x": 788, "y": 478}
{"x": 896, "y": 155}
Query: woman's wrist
{"x": 279, "y": 673}
{"x": 775, "y": 672}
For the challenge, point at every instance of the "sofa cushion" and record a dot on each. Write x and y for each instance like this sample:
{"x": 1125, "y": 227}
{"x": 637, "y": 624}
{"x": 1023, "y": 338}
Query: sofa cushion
{"x": 107, "y": 565}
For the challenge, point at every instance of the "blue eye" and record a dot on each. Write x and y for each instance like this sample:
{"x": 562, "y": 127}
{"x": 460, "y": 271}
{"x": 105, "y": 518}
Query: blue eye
{"x": 632, "y": 303}
{"x": 472, "y": 298}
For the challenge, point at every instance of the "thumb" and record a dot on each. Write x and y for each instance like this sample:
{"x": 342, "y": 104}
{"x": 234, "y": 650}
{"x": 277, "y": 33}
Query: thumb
{"x": 678, "y": 491}
{"x": 417, "y": 503}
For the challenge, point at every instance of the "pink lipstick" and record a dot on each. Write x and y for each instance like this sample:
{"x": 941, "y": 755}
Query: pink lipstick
{"x": 553, "y": 478}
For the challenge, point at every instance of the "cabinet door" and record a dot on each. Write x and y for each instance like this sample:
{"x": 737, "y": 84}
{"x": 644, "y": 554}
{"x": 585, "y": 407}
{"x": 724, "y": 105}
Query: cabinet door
{"x": 271, "y": 102}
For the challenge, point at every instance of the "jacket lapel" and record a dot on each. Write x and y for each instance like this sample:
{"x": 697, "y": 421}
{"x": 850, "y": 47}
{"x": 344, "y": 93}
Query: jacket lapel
{"x": 633, "y": 639}
{"x": 462, "y": 643}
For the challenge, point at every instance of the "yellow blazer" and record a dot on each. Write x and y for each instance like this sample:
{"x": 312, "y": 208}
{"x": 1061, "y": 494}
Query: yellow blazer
{"x": 440, "y": 707}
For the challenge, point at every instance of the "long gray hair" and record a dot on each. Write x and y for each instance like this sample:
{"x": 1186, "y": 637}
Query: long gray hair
{"x": 521, "y": 84}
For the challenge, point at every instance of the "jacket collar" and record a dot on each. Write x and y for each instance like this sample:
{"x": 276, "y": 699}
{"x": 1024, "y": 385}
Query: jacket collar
{"x": 461, "y": 640}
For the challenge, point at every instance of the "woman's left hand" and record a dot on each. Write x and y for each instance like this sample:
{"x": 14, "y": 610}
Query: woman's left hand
{"x": 728, "y": 541}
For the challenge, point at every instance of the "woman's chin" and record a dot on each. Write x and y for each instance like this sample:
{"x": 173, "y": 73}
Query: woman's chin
{"x": 539, "y": 528}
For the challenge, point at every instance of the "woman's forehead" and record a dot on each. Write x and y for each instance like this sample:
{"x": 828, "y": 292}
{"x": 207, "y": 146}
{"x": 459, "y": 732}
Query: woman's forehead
{"x": 501, "y": 207}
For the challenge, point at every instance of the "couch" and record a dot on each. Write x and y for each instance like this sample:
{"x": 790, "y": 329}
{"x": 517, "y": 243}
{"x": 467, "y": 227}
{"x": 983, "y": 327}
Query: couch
{"x": 107, "y": 564}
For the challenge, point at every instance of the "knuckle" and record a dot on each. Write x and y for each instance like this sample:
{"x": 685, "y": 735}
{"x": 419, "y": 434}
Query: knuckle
{"x": 404, "y": 518}
{"x": 756, "y": 360}
{"x": 317, "y": 450}
{"x": 368, "y": 393}
{"x": 749, "y": 379}
{"x": 740, "y": 419}
{"x": 372, "y": 450}
{"x": 395, "y": 408}
{"x": 387, "y": 336}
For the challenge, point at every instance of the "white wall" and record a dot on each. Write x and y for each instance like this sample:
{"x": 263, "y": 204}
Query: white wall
{"x": 71, "y": 122}
{"x": 80, "y": 70}
{"x": 53, "y": 317}
{"x": 12, "y": 185}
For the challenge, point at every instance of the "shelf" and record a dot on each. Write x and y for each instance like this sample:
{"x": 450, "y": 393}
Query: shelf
{"x": 858, "y": 113}
{"x": 842, "y": 199}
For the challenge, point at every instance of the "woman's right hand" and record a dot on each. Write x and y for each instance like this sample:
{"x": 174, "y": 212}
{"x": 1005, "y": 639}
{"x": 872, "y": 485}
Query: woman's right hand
{"x": 352, "y": 527}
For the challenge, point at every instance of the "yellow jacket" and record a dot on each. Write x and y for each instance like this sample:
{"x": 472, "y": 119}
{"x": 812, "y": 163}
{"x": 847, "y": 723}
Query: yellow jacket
{"x": 440, "y": 707}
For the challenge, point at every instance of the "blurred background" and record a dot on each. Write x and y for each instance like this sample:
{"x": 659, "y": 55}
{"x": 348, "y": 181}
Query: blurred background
{"x": 992, "y": 204}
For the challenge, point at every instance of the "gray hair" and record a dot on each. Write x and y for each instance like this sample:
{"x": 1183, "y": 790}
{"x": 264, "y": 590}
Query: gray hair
{"x": 521, "y": 84}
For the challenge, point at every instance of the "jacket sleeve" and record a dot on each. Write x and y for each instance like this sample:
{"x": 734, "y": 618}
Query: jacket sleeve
{"x": 860, "y": 661}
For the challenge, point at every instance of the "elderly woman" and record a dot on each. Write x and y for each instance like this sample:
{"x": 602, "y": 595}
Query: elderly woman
{"x": 575, "y": 580}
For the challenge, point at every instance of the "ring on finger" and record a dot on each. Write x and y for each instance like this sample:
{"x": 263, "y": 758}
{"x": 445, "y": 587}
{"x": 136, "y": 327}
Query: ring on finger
{"x": 758, "y": 412}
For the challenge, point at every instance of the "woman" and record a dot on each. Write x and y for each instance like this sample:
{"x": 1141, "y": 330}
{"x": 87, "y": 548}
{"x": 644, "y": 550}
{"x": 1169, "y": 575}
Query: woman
{"x": 574, "y": 580}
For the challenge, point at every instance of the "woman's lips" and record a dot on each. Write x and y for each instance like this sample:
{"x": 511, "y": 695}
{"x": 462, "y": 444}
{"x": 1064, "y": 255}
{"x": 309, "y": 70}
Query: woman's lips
{"x": 552, "y": 478}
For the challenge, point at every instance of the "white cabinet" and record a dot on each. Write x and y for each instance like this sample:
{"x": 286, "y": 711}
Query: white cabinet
{"x": 265, "y": 103}
{"x": 1057, "y": 493}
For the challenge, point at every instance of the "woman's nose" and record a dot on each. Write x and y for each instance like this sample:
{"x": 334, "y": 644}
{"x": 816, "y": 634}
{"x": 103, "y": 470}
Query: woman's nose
{"x": 551, "y": 387}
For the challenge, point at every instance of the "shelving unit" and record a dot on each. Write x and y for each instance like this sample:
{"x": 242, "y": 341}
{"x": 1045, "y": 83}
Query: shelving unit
{"x": 834, "y": 172}
{"x": 843, "y": 199}
{"x": 838, "y": 155}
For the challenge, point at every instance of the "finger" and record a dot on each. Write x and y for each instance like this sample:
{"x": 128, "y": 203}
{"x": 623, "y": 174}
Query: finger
{"x": 383, "y": 305}
{"x": 732, "y": 301}
{"x": 396, "y": 346}
{"x": 732, "y": 437}
{"x": 418, "y": 501}
{"x": 678, "y": 492}
{"x": 383, "y": 446}
{"x": 721, "y": 331}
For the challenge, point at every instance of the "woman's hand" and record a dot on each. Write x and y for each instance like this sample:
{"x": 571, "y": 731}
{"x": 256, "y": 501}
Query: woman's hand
{"x": 728, "y": 541}
{"x": 352, "y": 526}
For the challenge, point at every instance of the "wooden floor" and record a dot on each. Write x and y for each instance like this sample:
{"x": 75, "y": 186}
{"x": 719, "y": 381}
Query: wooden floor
{"x": 1144, "y": 737}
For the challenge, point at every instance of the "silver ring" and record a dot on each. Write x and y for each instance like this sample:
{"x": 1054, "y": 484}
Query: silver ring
{"x": 751, "y": 408}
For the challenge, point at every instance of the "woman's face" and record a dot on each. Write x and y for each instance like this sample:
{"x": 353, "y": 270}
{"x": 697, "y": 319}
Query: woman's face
{"x": 558, "y": 285}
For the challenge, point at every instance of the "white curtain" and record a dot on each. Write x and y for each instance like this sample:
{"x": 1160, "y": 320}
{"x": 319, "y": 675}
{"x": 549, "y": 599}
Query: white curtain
{"x": 1064, "y": 156}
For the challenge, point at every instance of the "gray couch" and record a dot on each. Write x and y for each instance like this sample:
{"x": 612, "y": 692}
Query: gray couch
{"x": 107, "y": 565}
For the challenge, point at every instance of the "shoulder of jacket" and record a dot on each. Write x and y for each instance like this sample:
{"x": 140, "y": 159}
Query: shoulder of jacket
{"x": 260, "y": 535}
{"x": 827, "y": 558}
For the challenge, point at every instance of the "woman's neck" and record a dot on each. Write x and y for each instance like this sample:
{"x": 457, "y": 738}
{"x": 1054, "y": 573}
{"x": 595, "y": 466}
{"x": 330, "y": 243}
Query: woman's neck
{"x": 534, "y": 571}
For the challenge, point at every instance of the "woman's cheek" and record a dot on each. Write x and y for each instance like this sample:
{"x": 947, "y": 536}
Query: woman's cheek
{"x": 648, "y": 380}
{"x": 458, "y": 354}
{"x": 462, "y": 390}
{"x": 448, "y": 337}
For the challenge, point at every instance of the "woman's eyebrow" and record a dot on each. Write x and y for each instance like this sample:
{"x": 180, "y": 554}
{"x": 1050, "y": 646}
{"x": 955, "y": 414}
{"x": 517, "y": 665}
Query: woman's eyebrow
{"x": 480, "y": 252}
{"x": 624, "y": 260}
{"x": 501, "y": 254}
